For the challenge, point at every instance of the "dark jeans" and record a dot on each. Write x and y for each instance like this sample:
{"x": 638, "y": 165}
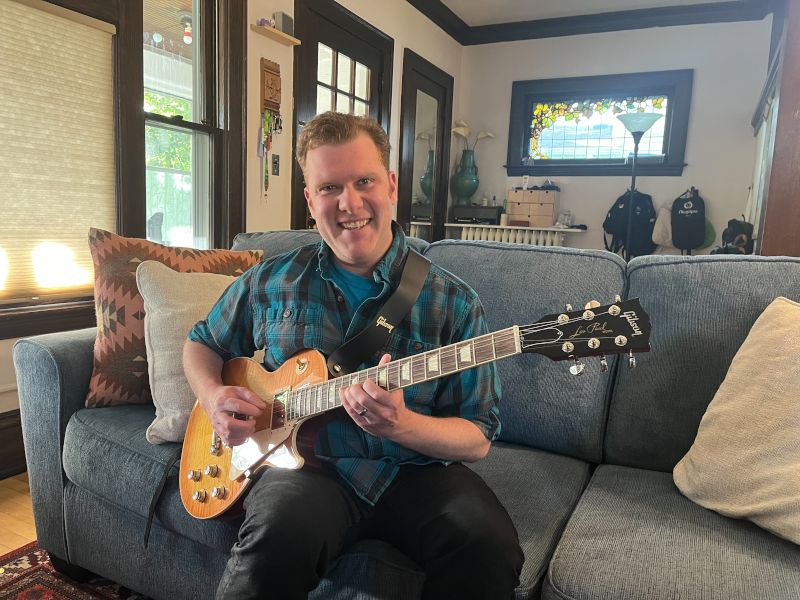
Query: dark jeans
{"x": 443, "y": 517}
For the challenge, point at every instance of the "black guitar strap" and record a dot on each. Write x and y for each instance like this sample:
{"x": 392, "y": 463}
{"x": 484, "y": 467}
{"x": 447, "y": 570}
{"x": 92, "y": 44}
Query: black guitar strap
{"x": 359, "y": 348}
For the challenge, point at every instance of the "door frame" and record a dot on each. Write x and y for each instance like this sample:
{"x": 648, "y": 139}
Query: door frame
{"x": 420, "y": 74}
{"x": 309, "y": 17}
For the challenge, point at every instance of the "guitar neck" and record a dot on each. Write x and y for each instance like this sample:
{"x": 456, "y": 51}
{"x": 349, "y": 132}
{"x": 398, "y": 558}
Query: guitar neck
{"x": 397, "y": 374}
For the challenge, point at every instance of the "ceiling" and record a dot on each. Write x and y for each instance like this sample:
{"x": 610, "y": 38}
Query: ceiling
{"x": 481, "y": 12}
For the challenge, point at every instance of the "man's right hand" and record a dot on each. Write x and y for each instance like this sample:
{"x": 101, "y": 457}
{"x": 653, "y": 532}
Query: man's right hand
{"x": 233, "y": 411}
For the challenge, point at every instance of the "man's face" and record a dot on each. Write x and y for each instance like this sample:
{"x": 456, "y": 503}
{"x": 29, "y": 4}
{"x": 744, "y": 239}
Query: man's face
{"x": 350, "y": 194}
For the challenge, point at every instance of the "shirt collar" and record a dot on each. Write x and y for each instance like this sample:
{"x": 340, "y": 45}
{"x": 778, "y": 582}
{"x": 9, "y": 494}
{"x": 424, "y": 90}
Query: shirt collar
{"x": 387, "y": 269}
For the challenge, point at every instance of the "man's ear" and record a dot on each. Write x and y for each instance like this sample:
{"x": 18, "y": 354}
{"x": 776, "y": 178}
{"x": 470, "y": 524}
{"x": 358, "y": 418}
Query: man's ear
{"x": 309, "y": 201}
{"x": 393, "y": 187}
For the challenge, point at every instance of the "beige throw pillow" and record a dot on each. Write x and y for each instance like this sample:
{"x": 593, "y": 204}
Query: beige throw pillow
{"x": 745, "y": 460}
{"x": 173, "y": 303}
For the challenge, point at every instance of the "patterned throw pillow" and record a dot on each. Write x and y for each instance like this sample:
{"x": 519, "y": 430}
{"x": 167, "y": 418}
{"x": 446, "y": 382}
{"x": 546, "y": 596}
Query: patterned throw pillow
{"x": 120, "y": 359}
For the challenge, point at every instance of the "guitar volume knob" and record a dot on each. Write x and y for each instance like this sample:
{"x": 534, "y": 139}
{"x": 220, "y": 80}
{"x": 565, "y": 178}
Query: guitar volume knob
{"x": 193, "y": 475}
{"x": 199, "y": 496}
{"x": 211, "y": 470}
{"x": 218, "y": 492}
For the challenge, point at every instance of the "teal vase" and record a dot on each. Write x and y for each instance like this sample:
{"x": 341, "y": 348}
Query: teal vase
{"x": 464, "y": 181}
{"x": 426, "y": 180}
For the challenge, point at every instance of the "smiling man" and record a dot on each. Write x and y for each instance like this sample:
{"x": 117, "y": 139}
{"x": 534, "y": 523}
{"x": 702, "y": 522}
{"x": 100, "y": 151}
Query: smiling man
{"x": 391, "y": 463}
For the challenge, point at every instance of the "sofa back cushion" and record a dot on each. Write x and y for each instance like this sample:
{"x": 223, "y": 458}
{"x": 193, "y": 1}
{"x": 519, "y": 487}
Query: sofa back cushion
{"x": 278, "y": 242}
{"x": 701, "y": 309}
{"x": 542, "y": 406}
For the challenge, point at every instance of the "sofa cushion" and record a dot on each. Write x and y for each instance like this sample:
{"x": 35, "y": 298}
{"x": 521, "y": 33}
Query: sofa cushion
{"x": 278, "y": 242}
{"x": 542, "y": 404}
{"x": 633, "y": 536}
{"x": 745, "y": 462}
{"x": 106, "y": 453}
{"x": 120, "y": 361}
{"x": 173, "y": 303}
{"x": 539, "y": 491}
{"x": 701, "y": 309}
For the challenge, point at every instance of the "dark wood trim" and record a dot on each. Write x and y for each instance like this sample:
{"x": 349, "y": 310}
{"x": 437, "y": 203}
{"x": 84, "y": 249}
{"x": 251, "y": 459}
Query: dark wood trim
{"x": 178, "y": 123}
{"x": 779, "y": 8}
{"x": 12, "y": 450}
{"x": 309, "y": 14}
{"x": 441, "y": 15}
{"x": 782, "y": 208}
{"x": 129, "y": 92}
{"x": 35, "y": 320}
{"x": 676, "y": 84}
{"x": 107, "y": 10}
{"x": 233, "y": 98}
{"x": 767, "y": 93}
{"x": 670, "y": 16}
{"x": 420, "y": 74}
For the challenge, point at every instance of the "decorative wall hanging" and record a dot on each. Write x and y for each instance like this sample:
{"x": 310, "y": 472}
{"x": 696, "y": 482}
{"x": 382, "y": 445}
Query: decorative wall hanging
{"x": 271, "y": 121}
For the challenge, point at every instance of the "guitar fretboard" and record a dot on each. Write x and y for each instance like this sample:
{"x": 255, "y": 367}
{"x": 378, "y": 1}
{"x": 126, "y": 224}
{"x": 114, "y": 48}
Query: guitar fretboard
{"x": 408, "y": 371}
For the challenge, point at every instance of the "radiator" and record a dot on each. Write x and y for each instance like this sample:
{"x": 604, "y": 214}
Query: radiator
{"x": 532, "y": 236}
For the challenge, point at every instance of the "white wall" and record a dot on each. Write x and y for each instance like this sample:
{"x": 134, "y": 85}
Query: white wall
{"x": 730, "y": 67}
{"x": 397, "y": 19}
{"x": 271, "y": 210}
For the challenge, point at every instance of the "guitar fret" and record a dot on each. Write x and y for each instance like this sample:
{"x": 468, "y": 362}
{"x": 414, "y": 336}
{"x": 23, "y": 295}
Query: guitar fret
{"x": 465, "y": 354}
{"x": 447, "y": 358}
{"x": 417, "y": 368}
{"x": 484, "y": 349}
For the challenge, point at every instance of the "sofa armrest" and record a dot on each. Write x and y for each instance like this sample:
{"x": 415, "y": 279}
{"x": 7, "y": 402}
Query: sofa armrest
{"x": 53, "y": 373}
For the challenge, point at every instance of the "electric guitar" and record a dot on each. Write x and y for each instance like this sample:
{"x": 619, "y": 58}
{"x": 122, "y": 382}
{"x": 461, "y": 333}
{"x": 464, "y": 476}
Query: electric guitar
{"x": 214, "y": 477}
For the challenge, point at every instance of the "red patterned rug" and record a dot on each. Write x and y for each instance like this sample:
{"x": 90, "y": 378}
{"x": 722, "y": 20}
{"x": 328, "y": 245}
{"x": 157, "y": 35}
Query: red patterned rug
{"x": 26, "y": 574}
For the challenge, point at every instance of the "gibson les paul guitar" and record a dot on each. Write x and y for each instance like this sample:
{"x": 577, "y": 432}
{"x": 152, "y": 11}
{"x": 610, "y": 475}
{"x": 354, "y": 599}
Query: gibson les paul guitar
{"x": 214, "y": 477}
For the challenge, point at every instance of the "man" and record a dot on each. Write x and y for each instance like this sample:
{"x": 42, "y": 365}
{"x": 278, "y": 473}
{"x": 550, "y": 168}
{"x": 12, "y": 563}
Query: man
{"x": 391, "y": 463}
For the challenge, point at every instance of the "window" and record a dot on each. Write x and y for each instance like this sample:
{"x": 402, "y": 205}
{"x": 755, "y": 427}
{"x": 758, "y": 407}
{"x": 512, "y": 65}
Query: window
{"x": 75, "y": 152}
{"x": 569, "y": 126}
{"x": 177, "y": 131}
{"x": 342, "y": 83}
{"x": 57, "y": 156}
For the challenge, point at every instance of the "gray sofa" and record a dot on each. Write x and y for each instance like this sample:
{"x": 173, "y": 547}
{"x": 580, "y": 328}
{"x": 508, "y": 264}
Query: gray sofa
{"x": 583, "y": 464}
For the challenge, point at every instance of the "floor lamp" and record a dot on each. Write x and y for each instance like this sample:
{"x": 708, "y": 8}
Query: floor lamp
{"x": 637, "y": 123}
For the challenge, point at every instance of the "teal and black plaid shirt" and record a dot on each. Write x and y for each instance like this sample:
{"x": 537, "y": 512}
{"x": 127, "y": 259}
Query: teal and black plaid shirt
{"x": 289, "y": 302}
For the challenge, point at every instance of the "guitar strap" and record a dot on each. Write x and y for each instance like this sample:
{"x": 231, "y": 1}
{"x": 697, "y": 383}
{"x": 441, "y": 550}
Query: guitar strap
{"x": 358, "y": 349}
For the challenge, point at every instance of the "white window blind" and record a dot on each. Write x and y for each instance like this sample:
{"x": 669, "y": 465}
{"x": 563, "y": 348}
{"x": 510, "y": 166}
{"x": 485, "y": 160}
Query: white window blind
{"x": 57, "y": 153}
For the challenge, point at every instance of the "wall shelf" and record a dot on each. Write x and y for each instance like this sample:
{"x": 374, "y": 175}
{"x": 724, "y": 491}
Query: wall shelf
{"x": 276, "y": 34}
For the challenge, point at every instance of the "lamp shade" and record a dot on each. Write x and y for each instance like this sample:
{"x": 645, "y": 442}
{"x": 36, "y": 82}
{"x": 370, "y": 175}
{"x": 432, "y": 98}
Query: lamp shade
{"x": 638, "y": 122}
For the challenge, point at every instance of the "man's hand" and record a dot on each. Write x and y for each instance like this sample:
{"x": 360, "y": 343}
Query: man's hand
{"x": 375, "y": 410}
{"x": 385, "y": 414}
{"x": 232, "y": 411}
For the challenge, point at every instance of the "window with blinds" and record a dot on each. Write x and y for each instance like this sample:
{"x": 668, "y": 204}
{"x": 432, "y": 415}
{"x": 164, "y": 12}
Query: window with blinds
{"x": 57, "y": 152}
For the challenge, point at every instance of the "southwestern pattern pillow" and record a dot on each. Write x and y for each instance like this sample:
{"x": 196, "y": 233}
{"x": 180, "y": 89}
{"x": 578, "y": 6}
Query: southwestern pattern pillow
{"x": 120, "y": 359}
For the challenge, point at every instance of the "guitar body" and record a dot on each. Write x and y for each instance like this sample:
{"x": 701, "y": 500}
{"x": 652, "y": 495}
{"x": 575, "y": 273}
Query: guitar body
{"x": 213, "y": 477}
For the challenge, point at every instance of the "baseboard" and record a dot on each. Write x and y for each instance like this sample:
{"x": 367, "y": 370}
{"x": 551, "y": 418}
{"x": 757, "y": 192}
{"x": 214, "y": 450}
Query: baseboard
{"x": 12, "y": 451}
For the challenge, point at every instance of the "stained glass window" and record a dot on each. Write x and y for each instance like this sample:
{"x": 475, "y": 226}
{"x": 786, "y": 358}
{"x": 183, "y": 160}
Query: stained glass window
{"x": 588, "y": 129}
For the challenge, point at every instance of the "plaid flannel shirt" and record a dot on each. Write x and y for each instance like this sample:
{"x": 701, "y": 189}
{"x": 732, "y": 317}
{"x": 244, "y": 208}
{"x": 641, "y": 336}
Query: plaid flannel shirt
{"x": 289, "y": 302}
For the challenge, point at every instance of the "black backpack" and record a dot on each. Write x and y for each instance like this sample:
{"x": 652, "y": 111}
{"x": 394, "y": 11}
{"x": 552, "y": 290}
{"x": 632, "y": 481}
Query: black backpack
{"x": 688, "y": 221}
{"x": 642, "y": 221}
{"x": 737, "y": 238}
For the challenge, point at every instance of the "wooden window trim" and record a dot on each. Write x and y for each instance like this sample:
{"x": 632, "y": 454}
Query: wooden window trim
{"x": 676, "y": 84}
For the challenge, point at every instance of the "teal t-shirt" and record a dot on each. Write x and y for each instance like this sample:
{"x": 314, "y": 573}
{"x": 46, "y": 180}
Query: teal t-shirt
{"x": 355, "y": 288}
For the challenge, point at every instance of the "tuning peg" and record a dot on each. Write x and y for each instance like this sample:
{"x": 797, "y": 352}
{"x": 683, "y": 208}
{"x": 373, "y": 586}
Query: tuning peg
{"x": 568, "y": 307}
{"x": 603, "y": 364}
{"x": 577, "y": 368}
{"x": 631, "y": 360}
{"x": 591, "y": 304}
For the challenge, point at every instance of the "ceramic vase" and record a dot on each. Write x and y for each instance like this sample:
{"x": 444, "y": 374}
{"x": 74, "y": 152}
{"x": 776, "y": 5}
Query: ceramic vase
{"x": 426, "y": 180}
{"x": 464, "y": 181}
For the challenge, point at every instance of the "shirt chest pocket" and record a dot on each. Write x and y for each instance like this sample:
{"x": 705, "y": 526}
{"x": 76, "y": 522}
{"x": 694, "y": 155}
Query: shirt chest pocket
{"x": 289, "y": 329}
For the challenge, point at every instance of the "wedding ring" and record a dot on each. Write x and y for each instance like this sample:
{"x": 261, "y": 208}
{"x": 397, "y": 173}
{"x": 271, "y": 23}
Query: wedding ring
{"x": 362, "y": 412}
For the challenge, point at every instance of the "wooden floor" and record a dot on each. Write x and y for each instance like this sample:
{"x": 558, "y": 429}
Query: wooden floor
{"x": 16, "y": 514}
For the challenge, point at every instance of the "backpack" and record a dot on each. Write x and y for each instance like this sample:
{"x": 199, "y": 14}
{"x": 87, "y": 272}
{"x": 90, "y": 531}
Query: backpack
{"x": 737, "y": 238}
{"x": 688, "y": 221}
{"x": 643, "y": 219}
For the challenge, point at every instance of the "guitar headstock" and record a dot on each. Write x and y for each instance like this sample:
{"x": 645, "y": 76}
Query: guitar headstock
{"x": 594, "y": 331}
